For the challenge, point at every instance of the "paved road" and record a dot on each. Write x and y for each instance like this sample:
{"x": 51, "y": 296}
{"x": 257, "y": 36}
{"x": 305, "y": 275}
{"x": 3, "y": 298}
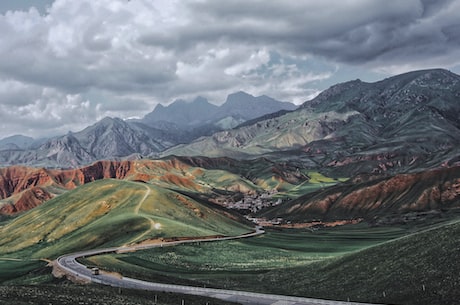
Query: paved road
{"x": 70, "y": 265}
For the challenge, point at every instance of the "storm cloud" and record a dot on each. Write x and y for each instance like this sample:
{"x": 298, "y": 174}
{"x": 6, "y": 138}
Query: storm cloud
{"x": 69, "y": 63}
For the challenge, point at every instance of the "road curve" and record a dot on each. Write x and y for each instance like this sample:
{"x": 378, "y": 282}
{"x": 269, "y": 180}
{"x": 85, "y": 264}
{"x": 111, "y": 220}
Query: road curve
{"x": 70, "y": 265}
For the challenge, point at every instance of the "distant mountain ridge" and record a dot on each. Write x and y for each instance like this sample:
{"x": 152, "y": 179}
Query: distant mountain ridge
{"x": 114, "y": 139}
{"x": 108, "y": 138}
{"x": 405, "y": 122}
{"x": 238, "y": 108}
{"x": 182, "y": 113}
{"x": 16, "y": 142}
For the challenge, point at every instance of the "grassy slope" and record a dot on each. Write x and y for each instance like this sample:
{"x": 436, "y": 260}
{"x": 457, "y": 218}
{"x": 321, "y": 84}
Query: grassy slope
{"x": 106, "y": 213}
{"x": 220, "y": 263}
{"x": 418, "y": 269}
{"x": 395, "y": 272}
{"x": 294, "y": 129}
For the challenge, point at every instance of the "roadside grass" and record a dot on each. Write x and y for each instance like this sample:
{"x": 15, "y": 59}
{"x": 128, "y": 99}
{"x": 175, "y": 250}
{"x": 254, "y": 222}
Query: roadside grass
{"x": 25, "y": 272}
{"x": 67, "y": 293}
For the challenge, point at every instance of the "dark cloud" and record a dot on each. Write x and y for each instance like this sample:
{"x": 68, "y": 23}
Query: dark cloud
{"x": 350, "y": 32}
{"x": 121, "y": 58}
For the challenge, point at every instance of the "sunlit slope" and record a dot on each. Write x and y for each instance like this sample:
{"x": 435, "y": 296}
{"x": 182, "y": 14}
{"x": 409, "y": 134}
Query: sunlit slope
{"x": 288, "y": 131}
{"x": 176, "y": 174}
{"x": 108, "y": 213}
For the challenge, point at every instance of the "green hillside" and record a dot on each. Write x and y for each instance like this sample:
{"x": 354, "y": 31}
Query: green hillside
{"x": 418, "y": 269}
{"x": 110, "y": 213}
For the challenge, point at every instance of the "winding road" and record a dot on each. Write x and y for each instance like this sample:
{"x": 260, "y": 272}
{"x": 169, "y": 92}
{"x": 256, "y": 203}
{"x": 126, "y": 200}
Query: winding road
{"x": 68, "y": 263}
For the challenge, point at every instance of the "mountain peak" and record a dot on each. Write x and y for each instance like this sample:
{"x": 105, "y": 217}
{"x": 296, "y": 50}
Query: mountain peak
{"x": 438, "y": 74}
{"x": 246, "y": 106}
{"x": 182, "y": 113}
{"x": 239, "y": 97}
{"x": 200, "y": 100}
{"x": 16, "y": 142}
{"x": 109, "y": 121}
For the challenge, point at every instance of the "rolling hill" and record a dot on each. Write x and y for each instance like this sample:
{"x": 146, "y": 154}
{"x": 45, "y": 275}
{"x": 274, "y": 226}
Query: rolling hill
{"x": 108, "y": 213}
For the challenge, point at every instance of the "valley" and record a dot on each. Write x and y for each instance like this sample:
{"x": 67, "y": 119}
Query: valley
{"x": 358, "y": 190}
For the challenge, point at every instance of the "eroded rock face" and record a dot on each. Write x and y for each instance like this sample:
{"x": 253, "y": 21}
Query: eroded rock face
{"x": 16, "y": 179}
{"x": 28, "y": 185}
{"x": 435, "y": 190}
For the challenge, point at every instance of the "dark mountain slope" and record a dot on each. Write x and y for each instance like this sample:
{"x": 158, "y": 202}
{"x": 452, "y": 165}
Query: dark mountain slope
{"x": 246, "y": 106}
{"x": 191, "y": 120}
{"x": 181, "y": 113}
{"x": 402, "y": 123}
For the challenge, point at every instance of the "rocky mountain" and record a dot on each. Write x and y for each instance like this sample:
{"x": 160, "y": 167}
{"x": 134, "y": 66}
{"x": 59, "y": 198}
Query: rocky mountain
{"x": 199, "y": 117}
{"x": 107, "y": 139}
{"x": 113, "y": 138}
{"x": 406, "y": 122}
{"x": 248, "y": 107}
{"x": 182, "y": 113}
{"x": 16, "y": 142}
{"x": 20, "y": 142}
{"x": 23, "y": 188}
{"x": 117, "y": 138}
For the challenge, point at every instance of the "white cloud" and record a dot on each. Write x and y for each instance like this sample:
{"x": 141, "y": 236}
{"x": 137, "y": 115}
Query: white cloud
{"x": 46, "y": 112}
{"x": 120, "y": 58}
{"x": 255, "y": 60}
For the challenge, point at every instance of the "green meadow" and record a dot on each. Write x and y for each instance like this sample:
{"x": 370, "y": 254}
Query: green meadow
{"x": 390, "y": 265}
{"x": 217, "y": 263}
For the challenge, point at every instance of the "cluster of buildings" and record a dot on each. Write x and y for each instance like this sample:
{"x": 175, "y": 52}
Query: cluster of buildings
{"x": 253, "y": 202}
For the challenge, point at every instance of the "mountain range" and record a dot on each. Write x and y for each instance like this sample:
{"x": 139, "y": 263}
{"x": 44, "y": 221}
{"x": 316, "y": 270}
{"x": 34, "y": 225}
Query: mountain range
{"x": 404, "y": 123}
{"x": 114, "y": 138}
{"x": 239, "y": 107}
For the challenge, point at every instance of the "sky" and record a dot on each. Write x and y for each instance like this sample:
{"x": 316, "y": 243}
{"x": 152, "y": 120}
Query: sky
{"x": 66, "y": 64}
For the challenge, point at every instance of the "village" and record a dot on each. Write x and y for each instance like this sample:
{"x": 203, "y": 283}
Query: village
{"x": 251, "y": 203}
